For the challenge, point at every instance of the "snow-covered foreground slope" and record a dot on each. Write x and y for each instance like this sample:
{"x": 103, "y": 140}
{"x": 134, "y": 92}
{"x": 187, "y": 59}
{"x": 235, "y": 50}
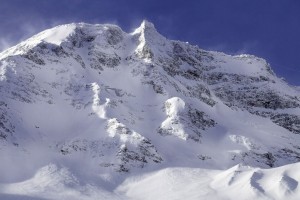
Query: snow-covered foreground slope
{"x": 238, "y": 182}
{"x": 242, "y": 182}
{"x": 106, "y": 111}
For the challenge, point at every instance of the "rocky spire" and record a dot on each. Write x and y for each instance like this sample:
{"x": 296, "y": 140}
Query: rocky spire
{"x": 149, "y": 39}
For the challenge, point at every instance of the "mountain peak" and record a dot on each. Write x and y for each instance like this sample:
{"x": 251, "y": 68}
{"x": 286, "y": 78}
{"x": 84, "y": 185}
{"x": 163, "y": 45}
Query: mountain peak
{"x": 147, "y": 25}
{"x": 129, "y": 103}
{"x": 149, "y": 39}
{"x": 146, "y": 28}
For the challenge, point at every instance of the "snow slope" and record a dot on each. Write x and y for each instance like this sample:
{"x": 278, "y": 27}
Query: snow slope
{"x": 244, "y": 182}
{"x": 90, "y": 110}
{"x": 194, "y": 183}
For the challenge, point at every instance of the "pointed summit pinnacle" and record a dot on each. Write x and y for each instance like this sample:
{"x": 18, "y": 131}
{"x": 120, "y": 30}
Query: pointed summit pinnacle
{"x": 147, "y": 25}
{"x": 149, "y": 40}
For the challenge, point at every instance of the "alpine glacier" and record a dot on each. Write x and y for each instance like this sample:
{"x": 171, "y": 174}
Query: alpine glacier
{"x": 92, "y": 112}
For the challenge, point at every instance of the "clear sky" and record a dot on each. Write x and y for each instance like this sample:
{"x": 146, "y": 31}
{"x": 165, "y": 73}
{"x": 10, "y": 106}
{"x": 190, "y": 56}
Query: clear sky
{"x": 265, "y": 28}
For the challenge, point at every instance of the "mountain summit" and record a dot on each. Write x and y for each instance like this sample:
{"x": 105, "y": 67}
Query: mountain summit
{"x": 95, "y": 102}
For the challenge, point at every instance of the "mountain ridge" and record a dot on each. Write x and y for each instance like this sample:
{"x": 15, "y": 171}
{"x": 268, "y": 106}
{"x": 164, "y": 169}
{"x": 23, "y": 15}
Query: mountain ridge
{"x": 124, "y": 103}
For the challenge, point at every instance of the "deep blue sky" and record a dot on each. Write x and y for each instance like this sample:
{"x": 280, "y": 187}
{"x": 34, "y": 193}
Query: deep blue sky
{"x": 265, "y": 28}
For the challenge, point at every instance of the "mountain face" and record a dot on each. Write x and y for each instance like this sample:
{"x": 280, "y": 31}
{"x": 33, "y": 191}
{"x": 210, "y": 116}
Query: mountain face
{"x": 100, "y": 101}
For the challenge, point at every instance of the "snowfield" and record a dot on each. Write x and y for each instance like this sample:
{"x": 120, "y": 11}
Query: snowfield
{"x": 244, "y": 182}
{"x": 92, "y": 112}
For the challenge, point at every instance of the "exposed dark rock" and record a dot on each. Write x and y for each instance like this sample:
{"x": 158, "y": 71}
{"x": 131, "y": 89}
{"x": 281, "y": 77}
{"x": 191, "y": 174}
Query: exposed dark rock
{"x": 34, "y": 57}
{"x": 288, "y": 121}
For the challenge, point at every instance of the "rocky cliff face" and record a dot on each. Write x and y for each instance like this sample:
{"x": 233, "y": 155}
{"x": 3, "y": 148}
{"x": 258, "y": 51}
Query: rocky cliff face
{"x": 130, "y": 100}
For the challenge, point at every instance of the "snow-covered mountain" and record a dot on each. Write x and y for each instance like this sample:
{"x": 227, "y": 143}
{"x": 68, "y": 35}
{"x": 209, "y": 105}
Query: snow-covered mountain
{"x": 91, "y": 111}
